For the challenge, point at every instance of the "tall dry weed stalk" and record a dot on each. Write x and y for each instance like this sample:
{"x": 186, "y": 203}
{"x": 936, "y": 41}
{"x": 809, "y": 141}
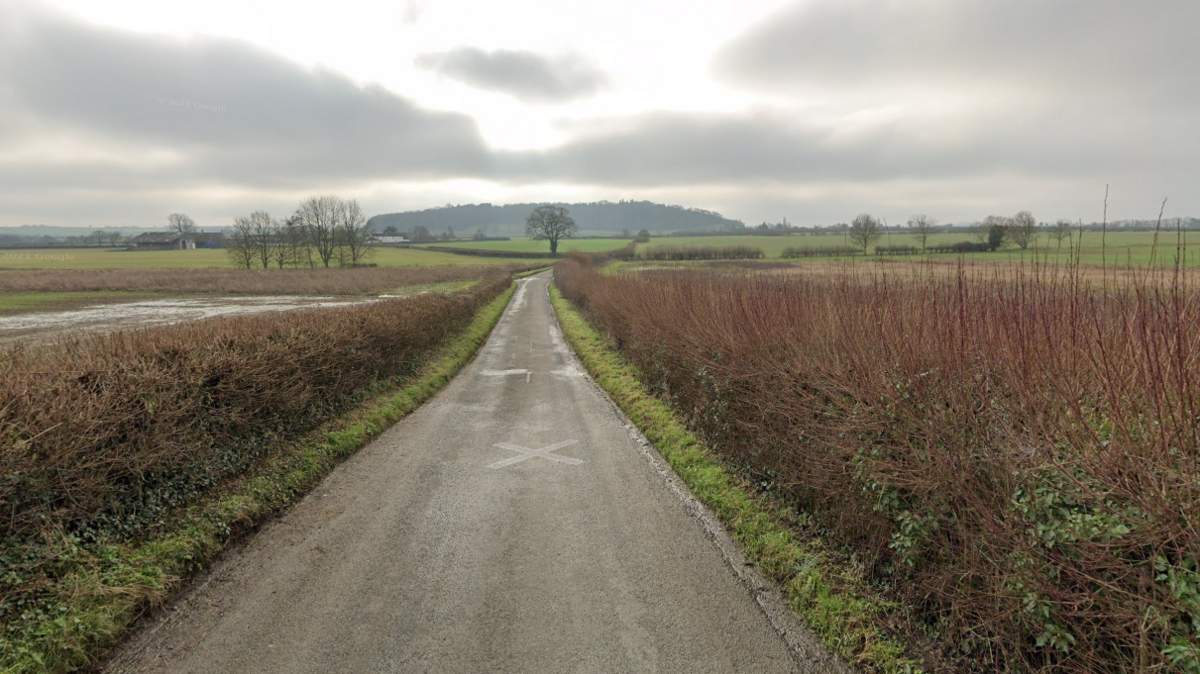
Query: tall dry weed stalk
{"x": 1014, "y": 450}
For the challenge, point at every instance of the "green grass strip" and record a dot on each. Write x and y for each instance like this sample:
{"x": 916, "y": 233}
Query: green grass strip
{"x": 13, "y": 303}
{"x": 105, "y": 588}
{"x": 820, "y": 592}
{"x": 531, "y": 272}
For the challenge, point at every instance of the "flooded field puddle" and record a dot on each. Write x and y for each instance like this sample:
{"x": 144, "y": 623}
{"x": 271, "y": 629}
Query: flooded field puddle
{"x": 104, "y": 317}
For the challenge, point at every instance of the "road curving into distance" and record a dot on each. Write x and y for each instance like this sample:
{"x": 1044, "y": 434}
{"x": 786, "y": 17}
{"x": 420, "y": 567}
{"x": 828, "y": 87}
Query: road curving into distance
{"x": 511, "y": 524}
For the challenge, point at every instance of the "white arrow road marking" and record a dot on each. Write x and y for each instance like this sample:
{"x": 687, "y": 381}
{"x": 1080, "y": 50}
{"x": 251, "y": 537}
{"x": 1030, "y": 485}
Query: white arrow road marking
{"x": 544, "y": 452}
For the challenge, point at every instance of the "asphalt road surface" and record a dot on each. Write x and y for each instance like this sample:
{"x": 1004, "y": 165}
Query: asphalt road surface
{"x": 511, "y": 524}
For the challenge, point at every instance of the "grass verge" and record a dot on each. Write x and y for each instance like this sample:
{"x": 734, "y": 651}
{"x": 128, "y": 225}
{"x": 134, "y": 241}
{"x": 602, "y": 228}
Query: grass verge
{"x": 831, "y": 598}
{"x": 107, "y": 587}
{"x": 443, "y": 288}
{"x": 19, "y": 303}
{"x": 531, "y": 272}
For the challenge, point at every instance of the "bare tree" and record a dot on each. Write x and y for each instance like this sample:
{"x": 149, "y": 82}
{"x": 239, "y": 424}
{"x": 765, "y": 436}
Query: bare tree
{"x": 1059, "y": 231}
{"x": 114, "y": 237}
{"x": 354, "y": 232}
{"x": 864, "y": 231}
{"x": 992, "y": 231}
{"x": 923, "y": 227}
{"x": 550, "y": 223}
{"x": 1023, "y": 230}
{"x": 180, "y": 223}
{"x": 319, "y": 217}
{"x": 308, "y": 252}
{"x": 287, "y": 243}
{"x": 239, "y": 244}
{"x": 262, "y": 233}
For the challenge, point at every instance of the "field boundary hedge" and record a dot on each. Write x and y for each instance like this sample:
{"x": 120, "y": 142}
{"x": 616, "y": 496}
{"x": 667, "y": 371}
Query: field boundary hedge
{"x": 1011, "y": 454}
{"x": 222, "y": 281}
{"x": 106, "y": 587}
{"x": 850, "y": 619}
{"x": 677, "y": 253}
{"x": 483, "y": 252}
{"x": 792, "y": 252}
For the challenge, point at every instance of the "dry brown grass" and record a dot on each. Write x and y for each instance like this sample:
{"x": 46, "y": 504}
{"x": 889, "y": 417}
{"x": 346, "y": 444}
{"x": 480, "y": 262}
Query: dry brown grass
{"x": 102, "y": 432}
{"x": 338, "y": 281}
{"x": 1114, "y": 276}
{"x": 1016, "y": 453}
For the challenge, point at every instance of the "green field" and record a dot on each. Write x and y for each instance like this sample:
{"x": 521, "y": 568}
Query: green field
{"x": 1118, "y": 248}
{"x": 444, "y": 288}
{"x": 525, "y": 245}
{"x": 16, "y": 303}
{"x": 103, "y": 258}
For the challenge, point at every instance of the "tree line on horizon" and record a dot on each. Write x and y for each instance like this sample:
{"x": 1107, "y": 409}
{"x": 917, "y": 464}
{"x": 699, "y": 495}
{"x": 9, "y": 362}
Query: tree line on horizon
{"x": 324, "y": 231}
{"x": 1021, "y": 230}
{"x": 509, "y": 219}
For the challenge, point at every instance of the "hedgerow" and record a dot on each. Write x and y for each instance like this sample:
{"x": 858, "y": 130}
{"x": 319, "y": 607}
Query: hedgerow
{"x": 1015, "y": 456}
{"x": 661, "y": 253}
{"x": 104, "y": 437}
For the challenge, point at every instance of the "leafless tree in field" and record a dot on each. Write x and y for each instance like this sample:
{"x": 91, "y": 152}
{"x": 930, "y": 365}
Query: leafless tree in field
{"x": 550, "y": 223}
{"x": 1023, "y": 230}
{"x": 354, "y": 234}
{"x": 864, "y": 231}
{"x": 240, "y": 245}
{"x": 319, "y": 217}
{"x": 288, "y": 247}
{"x": 991, "y": 231}
{"x": 1061, "y": 230}
{"x": 262, "y": 230}
{"x": 180, "y": 223}
{"x": 923, "y": 227}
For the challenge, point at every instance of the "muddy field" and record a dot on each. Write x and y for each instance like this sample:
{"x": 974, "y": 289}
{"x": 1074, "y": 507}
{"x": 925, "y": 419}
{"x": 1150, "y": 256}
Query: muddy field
{"x": 48, "y": 325}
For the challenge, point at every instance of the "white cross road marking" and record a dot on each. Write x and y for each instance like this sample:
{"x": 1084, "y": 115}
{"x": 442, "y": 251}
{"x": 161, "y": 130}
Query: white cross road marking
{"x": 544, "y": 452}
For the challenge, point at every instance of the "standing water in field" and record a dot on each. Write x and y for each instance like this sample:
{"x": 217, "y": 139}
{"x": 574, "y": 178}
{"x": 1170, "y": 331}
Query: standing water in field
{"x": 153, "y": 312}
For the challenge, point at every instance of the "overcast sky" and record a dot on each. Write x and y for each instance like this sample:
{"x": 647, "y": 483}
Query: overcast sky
{"x": 118, "y": 112}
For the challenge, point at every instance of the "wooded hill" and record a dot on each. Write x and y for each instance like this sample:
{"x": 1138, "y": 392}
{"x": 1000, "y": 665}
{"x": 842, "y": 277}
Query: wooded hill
{"x": 600, "y": 216}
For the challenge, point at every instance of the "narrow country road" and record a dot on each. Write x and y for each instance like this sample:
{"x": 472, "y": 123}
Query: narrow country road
{"x": 512, "y": 524}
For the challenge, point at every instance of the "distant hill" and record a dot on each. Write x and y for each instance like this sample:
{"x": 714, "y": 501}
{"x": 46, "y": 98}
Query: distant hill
{"x": 600, "y": 216}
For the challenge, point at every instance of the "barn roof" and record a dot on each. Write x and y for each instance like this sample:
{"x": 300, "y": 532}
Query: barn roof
{"x": 157, "y": 237}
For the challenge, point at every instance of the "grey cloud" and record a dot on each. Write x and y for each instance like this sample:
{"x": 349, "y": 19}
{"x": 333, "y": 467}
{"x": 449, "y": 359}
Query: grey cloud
{"x": 242, "y": 128}
{"x": 526, "y": 76}
{"x": 238, "y": 114}
{"x": 411, "y": 11}
{"x": 1087, "y": 49}
{"x": 772, "y": 147}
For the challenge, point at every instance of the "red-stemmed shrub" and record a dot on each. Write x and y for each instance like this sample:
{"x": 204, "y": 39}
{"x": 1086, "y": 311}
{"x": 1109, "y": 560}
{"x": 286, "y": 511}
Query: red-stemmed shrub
{"x": 1014, "y": 451}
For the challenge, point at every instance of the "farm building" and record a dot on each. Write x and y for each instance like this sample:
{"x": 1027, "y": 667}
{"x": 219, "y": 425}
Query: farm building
{"x": 385, "y": 240}
{"x": 177, "y": 241}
